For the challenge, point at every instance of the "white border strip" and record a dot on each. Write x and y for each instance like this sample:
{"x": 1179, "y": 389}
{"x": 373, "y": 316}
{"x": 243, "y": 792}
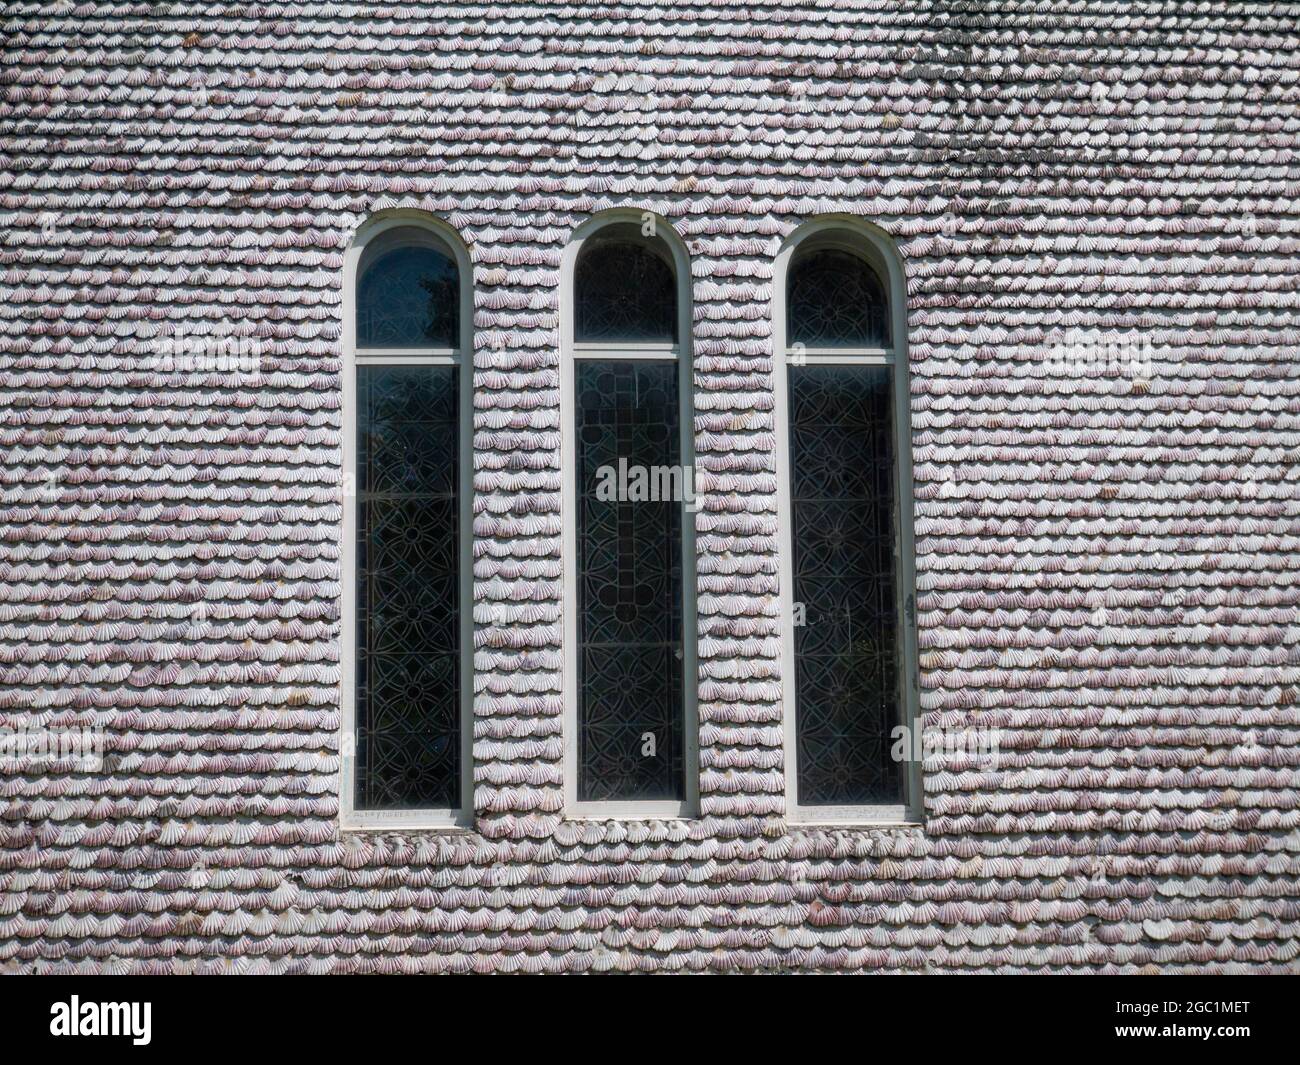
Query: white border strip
{"x": 350, "y": 818}
{"x": 863, "y": 237}
{"x": 569, "y": 350}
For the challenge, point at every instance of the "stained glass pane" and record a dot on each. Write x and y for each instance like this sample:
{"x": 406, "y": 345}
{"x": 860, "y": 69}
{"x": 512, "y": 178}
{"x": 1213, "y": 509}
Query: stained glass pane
{"x": 836, "y": 299}
{"x": 625, "y": 292}
{"x": 846, "y": 649}
{"x": 629, "y": 539}
{"x": 409, "y": 296}
{"x": 408, "y": 668}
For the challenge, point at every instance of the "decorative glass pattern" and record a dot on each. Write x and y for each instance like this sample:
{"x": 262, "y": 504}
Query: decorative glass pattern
{"x": 846, "y": 650}
{"x": 408, "y": 668}
{"x": 625, "y": 292}
{"x": 409, "y": 297}
{"x": 629, "y": 562}
{"x": 836, "y": 299}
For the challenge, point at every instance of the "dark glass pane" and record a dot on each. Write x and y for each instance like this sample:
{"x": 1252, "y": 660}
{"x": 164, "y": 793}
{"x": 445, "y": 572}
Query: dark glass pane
{"x": 625, "y": 292}
{"x": 408, "y": 665}
{"x": 836, "y": 299}
{"x": 629, "y": 558}
{"x": 846, "y": 650}
{"x": 409, "y": 297}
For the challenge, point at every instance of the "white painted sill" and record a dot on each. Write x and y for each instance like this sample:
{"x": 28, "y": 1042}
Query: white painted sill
{"x": 630, "y": 811}
{"x": 854, "y": 826}
{"x": 859, "y": 818}
{"x": 413, "y": 821}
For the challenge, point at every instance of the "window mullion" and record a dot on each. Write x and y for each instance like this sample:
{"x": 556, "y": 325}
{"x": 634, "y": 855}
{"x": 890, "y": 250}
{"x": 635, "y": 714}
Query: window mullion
{"x": 633, "y": 353}
{"x": 409, "y": 357}
{"x": 797, "y": 356}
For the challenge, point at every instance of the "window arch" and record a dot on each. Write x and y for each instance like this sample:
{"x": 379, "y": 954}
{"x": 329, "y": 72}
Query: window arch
{"x": 844, "y": 477}
{"x": 625, "y": 289}
{"x": 835, "y": 297}
{"x": 408, "y": 291}
{"x": 630, "y": 671}
{"x": 407, "y": 655}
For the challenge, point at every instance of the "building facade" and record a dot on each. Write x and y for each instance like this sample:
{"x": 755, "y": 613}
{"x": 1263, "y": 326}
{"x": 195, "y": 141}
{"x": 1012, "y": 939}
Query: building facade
{"x": 1038, "y": 261}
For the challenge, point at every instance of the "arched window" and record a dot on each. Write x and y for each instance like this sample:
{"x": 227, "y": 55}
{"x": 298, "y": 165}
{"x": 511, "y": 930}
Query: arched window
{"x": 629, "y": 534}
{"x": 845, "y": 505}
{"x": 407, "y": 627}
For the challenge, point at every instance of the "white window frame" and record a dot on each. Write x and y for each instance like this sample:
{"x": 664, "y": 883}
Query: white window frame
{"x": 846, "y": 233}
{"x": 680, "y": 352}
{"x": 461, "y": 357}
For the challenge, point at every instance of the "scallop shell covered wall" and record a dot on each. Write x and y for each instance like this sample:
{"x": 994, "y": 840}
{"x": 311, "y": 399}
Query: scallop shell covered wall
{"x": 1107, "y": 565}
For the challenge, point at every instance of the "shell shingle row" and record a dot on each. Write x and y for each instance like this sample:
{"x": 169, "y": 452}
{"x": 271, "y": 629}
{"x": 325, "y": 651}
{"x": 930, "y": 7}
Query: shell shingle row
{"x": 1107, "y": 559}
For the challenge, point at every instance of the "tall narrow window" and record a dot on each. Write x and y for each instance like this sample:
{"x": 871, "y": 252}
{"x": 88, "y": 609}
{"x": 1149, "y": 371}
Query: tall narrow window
{"x": 630, "y": 665}
{"x": 846, "y": 519}
{"x": 407, "y": 644}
